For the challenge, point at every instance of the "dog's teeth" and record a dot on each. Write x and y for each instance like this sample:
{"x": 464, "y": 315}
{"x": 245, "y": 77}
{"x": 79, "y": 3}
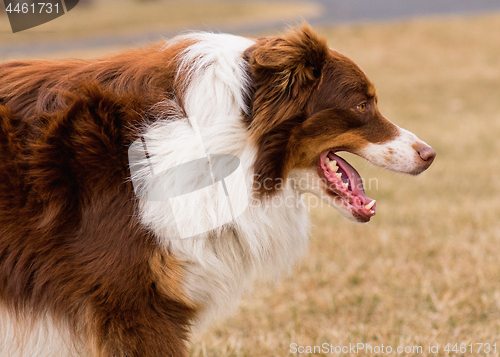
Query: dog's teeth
{"x": 372, "y": 212}
{"x": 339, "y": 175}
{"x": 370, "y": 205}
{"x": 327, "y": 159}
{"x": 345, "y": 184}
{"x": 333, "y": 166}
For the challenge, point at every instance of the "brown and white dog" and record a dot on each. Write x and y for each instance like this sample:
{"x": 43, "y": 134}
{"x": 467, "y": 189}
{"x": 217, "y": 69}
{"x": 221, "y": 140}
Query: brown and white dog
{"x": 89, "y": 269}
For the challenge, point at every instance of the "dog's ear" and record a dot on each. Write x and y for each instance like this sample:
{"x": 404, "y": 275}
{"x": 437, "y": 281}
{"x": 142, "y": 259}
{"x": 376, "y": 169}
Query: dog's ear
{"x": 300, "y": 53}
{"x": 285, "y": 71}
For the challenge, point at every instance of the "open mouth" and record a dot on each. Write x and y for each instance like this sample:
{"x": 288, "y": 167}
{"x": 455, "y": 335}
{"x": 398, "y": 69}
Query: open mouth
{"x": 344, "y": 184}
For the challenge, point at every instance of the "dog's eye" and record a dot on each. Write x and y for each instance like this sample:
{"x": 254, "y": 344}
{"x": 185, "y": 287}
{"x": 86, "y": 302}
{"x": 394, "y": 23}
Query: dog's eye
{"x": 361, "y": 107}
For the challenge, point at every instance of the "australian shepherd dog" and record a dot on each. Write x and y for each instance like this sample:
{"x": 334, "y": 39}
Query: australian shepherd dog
{"x": 110, "y": 243}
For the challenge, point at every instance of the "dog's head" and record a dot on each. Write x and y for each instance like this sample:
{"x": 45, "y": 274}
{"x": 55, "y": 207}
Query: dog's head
{"x": 309, "y": 102}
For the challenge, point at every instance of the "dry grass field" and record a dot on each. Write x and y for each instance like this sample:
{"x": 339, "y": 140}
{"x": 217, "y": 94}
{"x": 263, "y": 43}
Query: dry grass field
{"x": 132, "y": 16}
{"x": 426, "y": 270}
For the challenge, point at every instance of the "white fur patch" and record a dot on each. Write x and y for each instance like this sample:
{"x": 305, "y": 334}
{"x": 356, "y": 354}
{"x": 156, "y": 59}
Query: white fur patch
{"x": 397, "y": 155}
{"x": 40, "y": 337}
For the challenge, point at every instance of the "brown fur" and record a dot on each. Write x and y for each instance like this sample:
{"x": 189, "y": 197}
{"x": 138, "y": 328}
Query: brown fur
{"x": 70, "y": 241}
{"x": 33, "y": 87}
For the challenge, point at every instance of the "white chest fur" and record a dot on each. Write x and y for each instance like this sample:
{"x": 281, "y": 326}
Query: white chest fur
{"x": 269, "y": 236}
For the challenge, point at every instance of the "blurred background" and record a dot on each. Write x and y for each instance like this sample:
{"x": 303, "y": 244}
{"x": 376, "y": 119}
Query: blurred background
{"x": 426, "y": 269}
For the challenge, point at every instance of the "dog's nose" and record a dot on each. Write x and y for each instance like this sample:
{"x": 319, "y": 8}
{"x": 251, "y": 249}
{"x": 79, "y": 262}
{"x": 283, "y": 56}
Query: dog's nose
{"x": 427, "y": 153}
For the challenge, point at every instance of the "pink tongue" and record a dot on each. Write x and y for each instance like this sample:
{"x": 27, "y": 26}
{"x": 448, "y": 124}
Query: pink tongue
{"x": 355, "y": 181}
